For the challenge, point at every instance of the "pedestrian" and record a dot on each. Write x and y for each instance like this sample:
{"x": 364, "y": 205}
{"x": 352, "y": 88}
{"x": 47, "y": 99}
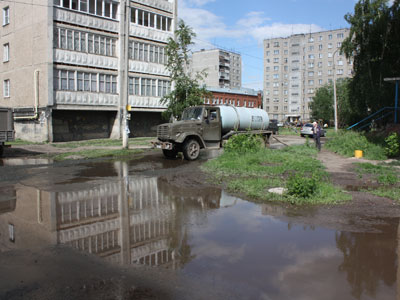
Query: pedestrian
{"x": 317, "y": 135}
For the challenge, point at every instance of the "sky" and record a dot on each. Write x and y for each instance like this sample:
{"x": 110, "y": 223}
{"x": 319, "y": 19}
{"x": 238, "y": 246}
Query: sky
{"x": 241, "y": 26}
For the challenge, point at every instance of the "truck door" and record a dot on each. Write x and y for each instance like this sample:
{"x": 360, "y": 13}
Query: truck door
{"x": 212, "y": 125}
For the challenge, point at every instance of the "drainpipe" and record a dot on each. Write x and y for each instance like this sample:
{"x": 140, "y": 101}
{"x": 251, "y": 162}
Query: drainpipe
{"x": 36, "y": 95}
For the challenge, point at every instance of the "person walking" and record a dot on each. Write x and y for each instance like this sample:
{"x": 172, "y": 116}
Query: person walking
{"x": 317, "y": 135}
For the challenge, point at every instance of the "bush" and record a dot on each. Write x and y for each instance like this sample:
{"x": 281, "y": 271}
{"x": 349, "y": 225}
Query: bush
{"x": 242, "y": 143}
{"x": 392, "y": 148}
{"x": 302, "y": 186}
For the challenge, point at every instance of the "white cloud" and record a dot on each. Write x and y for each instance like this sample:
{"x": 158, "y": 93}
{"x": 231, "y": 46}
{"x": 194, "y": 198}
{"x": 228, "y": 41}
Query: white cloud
{"x": 209, "y": 26}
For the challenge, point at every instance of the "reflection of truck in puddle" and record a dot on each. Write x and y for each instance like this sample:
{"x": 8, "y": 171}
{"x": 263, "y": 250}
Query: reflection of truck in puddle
{"x": 6, "y": 127}
{"x": 207, "y": 127}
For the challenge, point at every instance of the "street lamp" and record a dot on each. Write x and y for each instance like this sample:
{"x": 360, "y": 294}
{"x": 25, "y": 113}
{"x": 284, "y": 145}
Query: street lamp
{"x": 334, "y": 91}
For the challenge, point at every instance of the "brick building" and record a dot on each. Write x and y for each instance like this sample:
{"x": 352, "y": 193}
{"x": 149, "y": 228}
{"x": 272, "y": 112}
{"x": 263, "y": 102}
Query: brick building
{"x": 236, "y": 97}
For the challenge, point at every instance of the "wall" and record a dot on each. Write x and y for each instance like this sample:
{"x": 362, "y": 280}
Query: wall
{"x": 70, "y": 125}
{"x": 144, "y": 124}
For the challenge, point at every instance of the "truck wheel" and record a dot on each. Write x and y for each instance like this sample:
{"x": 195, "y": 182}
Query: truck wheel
{"x": 191, "y": 149}
{"x": 1, "y": 150}
{"x": 170, "y": 153}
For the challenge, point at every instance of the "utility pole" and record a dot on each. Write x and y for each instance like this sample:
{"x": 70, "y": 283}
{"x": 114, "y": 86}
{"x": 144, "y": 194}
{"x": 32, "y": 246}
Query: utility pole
{"x": 396, "y": 80}
{"x": 123, "y": 69}
{"x": 334, "y": 91}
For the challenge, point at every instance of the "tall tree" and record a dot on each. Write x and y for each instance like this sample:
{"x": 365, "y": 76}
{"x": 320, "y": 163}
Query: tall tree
{"x": 374, "y": 42}
{"x": 186, "y": 88}
{"x": 322, "y": 105}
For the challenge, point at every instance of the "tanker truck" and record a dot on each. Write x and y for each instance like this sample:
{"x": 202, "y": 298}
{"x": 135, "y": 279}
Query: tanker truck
{"x": 6, "y": 127}
{"x": 206, "y": 127}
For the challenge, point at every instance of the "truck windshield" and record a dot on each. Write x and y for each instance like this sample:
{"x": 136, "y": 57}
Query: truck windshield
{"x": 192, "y": 113}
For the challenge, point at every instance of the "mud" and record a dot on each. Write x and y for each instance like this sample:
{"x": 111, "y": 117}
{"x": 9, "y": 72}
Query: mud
{"x": 153, "y": 228}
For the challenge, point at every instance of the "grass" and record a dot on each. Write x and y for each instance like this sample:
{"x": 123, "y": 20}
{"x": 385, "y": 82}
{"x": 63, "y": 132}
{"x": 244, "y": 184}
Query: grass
{"x": 252, "y": 174}
{"x": 383, "y": 174}
{"x": 391, "y": 193}
{"x": 346, "y": 142}
{"x": 289, "y": 131}
{"x": 19, "y": 142}
{"x": 97, "y": 153}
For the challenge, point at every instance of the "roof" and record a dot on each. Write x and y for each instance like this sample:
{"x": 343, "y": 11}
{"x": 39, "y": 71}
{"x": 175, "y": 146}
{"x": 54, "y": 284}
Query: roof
{"x": 241, "y": 91}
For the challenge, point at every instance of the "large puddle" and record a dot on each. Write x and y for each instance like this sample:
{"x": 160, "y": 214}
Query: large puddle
{"x": 204, "y": 234}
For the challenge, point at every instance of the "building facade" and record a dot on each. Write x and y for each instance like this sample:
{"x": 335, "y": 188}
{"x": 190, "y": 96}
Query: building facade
{"x": 63, "y": 62}
{"x": 236, "y": 97}
{"x": 296, "y": 66}
{"x": 223, "y": 68}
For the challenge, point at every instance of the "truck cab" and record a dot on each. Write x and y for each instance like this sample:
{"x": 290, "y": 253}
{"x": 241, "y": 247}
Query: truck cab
{"x": 199, "y": 127}
{"x": 6, "y": 127}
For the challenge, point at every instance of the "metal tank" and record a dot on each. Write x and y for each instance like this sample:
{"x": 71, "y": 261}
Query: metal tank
{"x": 243, "y": 118}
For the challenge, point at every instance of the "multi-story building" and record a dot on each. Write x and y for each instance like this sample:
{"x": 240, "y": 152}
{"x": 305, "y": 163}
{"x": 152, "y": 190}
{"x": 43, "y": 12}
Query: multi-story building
{"x": 223, "y": 68}
{"x": 296, "y": 66}
{"x": 64, "y": 60}
{"x": 236, "y": 97}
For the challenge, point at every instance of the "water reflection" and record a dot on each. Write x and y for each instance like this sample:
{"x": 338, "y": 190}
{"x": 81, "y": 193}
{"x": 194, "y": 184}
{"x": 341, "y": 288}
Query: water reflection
{"x": 223, "y": 240}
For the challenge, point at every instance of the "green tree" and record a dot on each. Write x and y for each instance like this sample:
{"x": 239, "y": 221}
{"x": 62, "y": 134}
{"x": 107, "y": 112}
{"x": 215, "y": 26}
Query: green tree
{"x": 186, "y": 88}
{"x": 374, "y": 44}
{"x": 322, "y": 105}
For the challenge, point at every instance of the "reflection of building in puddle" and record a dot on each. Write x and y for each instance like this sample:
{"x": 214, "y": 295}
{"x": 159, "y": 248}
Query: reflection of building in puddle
{"x": 26, "y": 161}
{"x": 130, "y": 220}
{"x": 95, "y": 221}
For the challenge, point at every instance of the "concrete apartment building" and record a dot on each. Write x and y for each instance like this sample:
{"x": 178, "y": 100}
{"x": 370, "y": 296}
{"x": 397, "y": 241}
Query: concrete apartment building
{"x": 223, "y": 68}
{"x": 64, "y": 63}
{"x": 296, "y": 66}
{"x": 243, "y": 97}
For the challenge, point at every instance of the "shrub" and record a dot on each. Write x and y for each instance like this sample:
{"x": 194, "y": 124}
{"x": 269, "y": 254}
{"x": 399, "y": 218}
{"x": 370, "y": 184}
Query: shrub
{"x": 392, "y": 148}
{"x": 242, "y": 143}
{"x": 301, "y": 186}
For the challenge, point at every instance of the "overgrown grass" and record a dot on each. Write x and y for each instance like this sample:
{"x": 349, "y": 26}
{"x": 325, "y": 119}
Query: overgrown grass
{"x": 104, "y": 143}
{"x": 346, "y": 142}
{"x": 98, "y": 153}
{"x": 254, "y": 173}
{"x": 289, "y": 131}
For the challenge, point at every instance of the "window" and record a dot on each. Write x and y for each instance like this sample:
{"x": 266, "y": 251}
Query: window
{"x": 330, "y": 37}
{"x": 6, "y": 88}
{"x": 104, "y": 8}
{"x": 6, "y": 16}
{"x": 276, "y": 52}
{"x": 340, "y": 35}
{"x": 6, "y": 52}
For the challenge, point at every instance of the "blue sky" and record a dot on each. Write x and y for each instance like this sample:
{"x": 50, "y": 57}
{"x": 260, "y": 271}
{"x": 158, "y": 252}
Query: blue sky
{"x": 243, "y": 25}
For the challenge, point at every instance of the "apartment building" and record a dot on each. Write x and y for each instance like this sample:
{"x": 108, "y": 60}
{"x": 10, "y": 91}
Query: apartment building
{"x": 296, "y": 66}
{"x": 223, "y": 68}
{"x": 243, "y": 97}
{"x": 64, "y": 63}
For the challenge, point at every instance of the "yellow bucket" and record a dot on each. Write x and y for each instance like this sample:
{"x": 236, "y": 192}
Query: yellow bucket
{"x": 358, "y": 154}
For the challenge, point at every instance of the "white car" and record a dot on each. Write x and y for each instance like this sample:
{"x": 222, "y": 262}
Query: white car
{"x": 307, "y": 129}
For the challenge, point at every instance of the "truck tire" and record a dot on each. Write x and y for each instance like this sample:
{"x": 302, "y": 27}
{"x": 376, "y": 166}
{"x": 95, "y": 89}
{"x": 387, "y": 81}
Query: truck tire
{"x": 170, "y": 153}
{"x": 1, "y": 150}
{"x": 191, "y": 149}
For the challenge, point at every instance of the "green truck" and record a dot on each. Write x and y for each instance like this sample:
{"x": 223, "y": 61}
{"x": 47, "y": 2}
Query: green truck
{"x": 206, "y": 127}
{"x": 7, "y": 133}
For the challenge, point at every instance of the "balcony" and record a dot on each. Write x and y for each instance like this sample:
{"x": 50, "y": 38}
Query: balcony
{"x": 86, "y": 99}
{"x": 159, "y": 4}
{"x": 80, "y": 19}
{"x": 85, "y": 59}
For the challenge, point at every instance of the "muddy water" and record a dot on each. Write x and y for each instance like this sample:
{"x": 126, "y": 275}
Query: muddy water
{"x": 114, "y": 211}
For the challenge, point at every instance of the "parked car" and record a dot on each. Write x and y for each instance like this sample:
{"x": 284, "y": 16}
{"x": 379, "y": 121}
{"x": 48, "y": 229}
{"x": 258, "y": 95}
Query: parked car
{"x": 273, "y": 126}
{"x": 307, "y": 129}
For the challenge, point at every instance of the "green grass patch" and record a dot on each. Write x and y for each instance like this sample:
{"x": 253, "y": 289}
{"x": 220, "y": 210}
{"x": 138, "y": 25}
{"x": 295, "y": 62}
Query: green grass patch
{"x": 346, "y": 142}
{"x": 254, "y": 173}
{"x": 98, "y": 153}
{"x": 104, "y": 143}
{"x": 19, "y": 142}
{"x": 382, "y": 173}
{"x": 289, "y": 131}
{"x": 391, "y": 193}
